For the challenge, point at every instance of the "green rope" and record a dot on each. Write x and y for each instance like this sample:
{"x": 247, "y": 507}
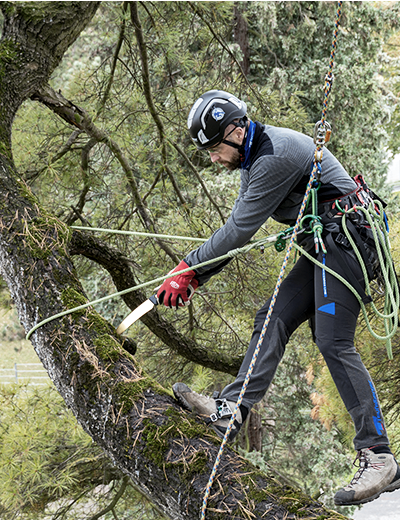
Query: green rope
{"x": 392, "y": 298}
{"x": 382, "y": 243}
{"x": 138, "y": 233}
{"x": 262, "y": 242}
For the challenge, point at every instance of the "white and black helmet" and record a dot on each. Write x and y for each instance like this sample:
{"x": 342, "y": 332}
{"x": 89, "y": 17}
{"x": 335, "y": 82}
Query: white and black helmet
{"x": 211, "y": 114}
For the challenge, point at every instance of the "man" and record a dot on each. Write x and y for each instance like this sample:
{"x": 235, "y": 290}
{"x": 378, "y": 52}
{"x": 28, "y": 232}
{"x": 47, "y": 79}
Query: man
{"x": 275, "y": 167}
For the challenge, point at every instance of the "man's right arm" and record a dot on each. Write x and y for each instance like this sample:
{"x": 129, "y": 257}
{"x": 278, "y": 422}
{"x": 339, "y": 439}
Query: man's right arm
{"x": 271, "y": 179}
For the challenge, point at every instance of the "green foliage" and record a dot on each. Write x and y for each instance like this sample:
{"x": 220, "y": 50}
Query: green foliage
{"x": 44, "y": 452}
{"x": 391, "y": 86}
{"x": 291, "y": 42}
{"x": 49, "y": 467}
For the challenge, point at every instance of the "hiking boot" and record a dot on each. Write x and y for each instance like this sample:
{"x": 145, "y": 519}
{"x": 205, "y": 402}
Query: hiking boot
{"x": 214, "y": 411}
{"x": 376, "y": 474}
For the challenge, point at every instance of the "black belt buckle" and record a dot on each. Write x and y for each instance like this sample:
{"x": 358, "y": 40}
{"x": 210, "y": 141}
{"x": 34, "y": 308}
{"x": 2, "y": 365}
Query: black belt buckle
{"x": 342, "y": 240}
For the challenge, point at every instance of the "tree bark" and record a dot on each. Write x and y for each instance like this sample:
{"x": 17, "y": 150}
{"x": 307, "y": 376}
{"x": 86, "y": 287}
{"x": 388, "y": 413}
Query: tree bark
{"x": 241, "y": 36}
{"x": 166, "y": 452}
{"x": 35, "y": 38}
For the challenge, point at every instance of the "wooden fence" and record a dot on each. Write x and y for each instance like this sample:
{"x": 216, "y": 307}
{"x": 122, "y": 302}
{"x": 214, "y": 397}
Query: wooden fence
{"x": 27, "y": 373}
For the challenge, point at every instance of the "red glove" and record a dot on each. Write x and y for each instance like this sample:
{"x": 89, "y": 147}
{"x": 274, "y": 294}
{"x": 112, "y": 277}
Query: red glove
{"x": 177, "y": 291}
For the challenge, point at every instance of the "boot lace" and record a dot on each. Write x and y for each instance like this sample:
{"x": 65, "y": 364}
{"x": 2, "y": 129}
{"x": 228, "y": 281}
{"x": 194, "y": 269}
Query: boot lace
{"x": 362, "y": 462}
{"x": 365, "y": 463}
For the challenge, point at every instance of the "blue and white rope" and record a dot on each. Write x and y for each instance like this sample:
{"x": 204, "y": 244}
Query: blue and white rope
{"x": 316, "y": 167}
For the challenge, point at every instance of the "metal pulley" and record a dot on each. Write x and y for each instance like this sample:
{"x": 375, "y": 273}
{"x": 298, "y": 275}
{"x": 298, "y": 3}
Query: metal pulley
{"x": 322, "y": 133}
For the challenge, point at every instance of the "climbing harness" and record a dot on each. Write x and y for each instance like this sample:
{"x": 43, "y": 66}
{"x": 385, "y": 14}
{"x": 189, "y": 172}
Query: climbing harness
{"x": 358, "y": 224}
{"x": 389, "y": 316}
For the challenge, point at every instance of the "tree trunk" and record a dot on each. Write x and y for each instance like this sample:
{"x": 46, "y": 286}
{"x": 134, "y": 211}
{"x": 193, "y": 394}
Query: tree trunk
{"x": 166, "y": 452}
{"x": 241, "y": 36}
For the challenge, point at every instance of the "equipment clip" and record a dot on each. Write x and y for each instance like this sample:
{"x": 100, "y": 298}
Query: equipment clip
{"x": 322, "y": 133}
{"x": 223, "y": 410}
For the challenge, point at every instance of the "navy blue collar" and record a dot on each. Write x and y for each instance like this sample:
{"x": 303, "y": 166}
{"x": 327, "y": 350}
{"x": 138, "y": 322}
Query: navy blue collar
{"x": 247, "y": 147}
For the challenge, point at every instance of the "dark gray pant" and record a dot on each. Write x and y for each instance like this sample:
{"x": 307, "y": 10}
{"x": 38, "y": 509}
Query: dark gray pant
{"x": 310, "y": 292}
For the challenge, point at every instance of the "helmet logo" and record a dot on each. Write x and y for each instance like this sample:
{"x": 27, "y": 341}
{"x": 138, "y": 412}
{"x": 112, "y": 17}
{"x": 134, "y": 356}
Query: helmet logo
{"x": 217, "y": 113}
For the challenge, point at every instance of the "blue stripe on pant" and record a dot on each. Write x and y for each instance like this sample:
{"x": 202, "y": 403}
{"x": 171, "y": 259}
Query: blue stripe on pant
{"x": 305, "y": 293}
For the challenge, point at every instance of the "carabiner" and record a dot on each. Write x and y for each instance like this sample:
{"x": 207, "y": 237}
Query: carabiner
{"x": 322, "y": 133}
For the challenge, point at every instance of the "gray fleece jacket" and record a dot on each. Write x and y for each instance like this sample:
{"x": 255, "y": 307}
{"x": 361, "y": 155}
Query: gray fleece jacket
{"x": 273, "y": 185}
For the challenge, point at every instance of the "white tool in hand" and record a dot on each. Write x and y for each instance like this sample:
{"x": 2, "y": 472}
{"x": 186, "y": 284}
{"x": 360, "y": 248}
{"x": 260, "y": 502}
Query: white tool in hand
{"x": 144, "y": 308}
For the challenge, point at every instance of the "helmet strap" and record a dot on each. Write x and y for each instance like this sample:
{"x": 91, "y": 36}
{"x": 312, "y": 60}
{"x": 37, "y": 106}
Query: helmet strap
{"x": 239, "y": 147}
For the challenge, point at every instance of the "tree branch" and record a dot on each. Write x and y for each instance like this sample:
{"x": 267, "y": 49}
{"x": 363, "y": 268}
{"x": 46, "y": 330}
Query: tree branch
{"x": 63, "y": 151}
{"x": 113, "y": 503}
{"x": 120, "y": 270}
{"x": 110, "y": 81}
{"x": 23, "y": 72}
{"x": 78, "y": 117}
{"x": 198, "y": 9}
{"x": 149, "y": 97}
{"x": 77, "y": 211}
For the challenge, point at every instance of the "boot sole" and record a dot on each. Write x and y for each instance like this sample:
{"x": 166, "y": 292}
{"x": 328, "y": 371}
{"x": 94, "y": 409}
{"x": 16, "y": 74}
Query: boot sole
{"x": 391, "y": 487}
{"x": 178, "y": 396}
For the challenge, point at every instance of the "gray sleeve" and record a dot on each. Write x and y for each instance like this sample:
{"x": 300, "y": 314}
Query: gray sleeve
{"x": 269, "y": 181}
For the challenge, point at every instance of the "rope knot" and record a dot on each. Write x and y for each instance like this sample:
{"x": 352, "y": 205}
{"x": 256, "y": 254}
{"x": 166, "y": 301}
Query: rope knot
{"x": 234, "y": 252}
